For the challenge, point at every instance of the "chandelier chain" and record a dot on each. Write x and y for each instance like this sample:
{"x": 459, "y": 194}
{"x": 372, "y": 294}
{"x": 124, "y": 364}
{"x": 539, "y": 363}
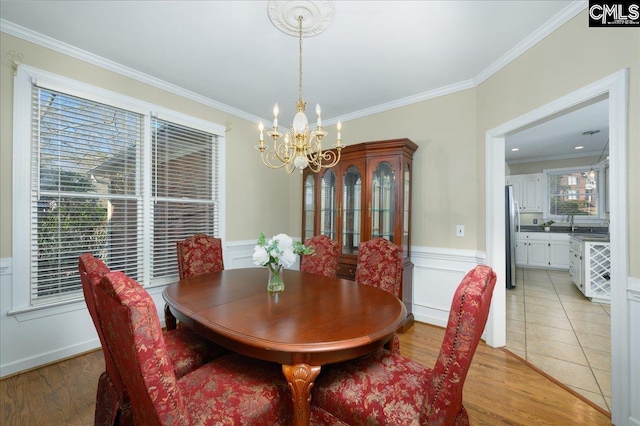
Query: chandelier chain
{"x": 300, "y": 60}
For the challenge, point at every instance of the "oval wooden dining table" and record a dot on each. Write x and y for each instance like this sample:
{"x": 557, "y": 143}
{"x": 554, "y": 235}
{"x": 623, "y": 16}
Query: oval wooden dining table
{"x": 315, "y": 321}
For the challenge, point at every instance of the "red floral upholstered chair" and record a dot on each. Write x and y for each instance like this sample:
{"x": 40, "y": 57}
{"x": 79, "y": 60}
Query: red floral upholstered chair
{"x": 198, "y": 254}
{"x": 379, "y": 265}
{"x": 385, "y": 388}
{"x": 230, "y": 390}
{"x": 324, "y": 260}
{"x": 186, "y": 350}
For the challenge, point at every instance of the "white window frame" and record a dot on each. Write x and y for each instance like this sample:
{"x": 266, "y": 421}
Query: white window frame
{"x": 577, "y": 218}
{"x": 23, "y": 82}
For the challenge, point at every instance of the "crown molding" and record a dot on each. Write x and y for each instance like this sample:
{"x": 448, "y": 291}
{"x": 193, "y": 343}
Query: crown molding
{"x": 441, "y": 91}
{"x": 550, "y": 26}
{"x": 67, "y": 49}
{"x": 558, "y": 20}
{"x": 538, "y": 35}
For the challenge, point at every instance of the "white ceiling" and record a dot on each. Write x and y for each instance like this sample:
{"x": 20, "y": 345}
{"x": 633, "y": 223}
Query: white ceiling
{"x": 558, "y": 137}
{"x": 375, "y": 55}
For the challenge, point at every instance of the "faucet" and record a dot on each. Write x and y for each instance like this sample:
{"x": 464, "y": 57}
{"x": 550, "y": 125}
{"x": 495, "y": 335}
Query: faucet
{"x": 569, "y": 219}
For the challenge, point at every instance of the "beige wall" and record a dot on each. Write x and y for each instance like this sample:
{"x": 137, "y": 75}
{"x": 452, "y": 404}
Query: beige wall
{"x": 444, "y": 164}
{"x": 449, "y": 177}
{"x": 253, "y": 192}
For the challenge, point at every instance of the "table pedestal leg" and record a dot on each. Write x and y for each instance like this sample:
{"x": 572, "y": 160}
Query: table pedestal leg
{"x": 300, "y": 378}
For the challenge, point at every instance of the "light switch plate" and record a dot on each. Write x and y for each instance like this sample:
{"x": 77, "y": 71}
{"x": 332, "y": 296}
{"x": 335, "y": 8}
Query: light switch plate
{"x": 459, "y": 230}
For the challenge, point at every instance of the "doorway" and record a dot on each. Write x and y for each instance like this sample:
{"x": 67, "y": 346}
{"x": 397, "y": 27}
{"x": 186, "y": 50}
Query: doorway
{"x": 550, "y": 322}
{"x": 616, "y": 87}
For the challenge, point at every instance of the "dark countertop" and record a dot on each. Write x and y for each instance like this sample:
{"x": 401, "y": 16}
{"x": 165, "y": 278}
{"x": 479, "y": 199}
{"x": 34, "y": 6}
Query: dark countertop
{"x": 592, "y": 237}
{"x": 567, "y": 229}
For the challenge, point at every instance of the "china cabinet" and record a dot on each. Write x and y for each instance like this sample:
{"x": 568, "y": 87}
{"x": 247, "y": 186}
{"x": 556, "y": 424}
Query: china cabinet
{"x": 366, "y": 195}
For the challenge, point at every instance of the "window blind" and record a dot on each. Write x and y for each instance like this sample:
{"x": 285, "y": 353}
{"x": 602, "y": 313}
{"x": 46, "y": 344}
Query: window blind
{"x": 85, "y": 191}
{"x": 184, "y": 190}
{"x": 574, "y": 192}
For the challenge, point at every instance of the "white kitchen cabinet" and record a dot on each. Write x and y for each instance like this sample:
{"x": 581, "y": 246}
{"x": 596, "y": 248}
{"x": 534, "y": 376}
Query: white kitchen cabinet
{"x": 576, "y": 263}
{"x": 543, "y": 250}
{"x": 527, "y": 190}
{"x": 538, "y": 252}
{"x": 516, "y": 182}
{"x": 559, "y": 251}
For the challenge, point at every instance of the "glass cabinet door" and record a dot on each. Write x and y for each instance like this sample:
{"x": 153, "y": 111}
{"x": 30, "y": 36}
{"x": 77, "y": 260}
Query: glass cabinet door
{"x": 351, "y": 210}
{"x": 309, "y": 210}
{"x": 406, "y": 208}
{"x": 328, "y": 204}
{"x": 382, "y": 202}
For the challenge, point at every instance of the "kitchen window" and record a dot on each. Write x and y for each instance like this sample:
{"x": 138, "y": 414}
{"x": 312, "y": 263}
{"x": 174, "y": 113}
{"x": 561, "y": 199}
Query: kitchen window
{"x": 576, "y": 191}
{"x": 105, "y": 175}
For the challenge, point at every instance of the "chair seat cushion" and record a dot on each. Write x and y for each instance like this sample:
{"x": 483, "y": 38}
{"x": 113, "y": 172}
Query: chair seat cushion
{"x": 382, "y": 388}
{"x": 188, "y": 350}
{"x": 237, "y": 390}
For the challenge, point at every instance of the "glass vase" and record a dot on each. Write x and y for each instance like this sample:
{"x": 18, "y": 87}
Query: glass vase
{"x": 276, "y": 280}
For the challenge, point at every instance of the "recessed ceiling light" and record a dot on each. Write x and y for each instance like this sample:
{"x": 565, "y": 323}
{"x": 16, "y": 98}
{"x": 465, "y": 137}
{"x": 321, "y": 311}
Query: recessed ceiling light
{"x": 579, "y": 147}
{"x": 515, "y": 149}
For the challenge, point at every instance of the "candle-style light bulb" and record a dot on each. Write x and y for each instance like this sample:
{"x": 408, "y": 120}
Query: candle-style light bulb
{"x": 276, "y": 111}
{"x": 261, "y": 128}
{"x": 339, "y": 136}
{"x": 318, "y": 111}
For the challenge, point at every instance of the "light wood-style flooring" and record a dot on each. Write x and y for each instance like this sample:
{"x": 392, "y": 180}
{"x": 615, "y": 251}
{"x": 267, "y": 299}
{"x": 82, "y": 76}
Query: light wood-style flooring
{"x": 499, "y": 390}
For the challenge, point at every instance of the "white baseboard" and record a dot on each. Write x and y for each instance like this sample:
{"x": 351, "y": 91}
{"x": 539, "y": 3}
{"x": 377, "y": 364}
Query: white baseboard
{"x": 45, "y": 358}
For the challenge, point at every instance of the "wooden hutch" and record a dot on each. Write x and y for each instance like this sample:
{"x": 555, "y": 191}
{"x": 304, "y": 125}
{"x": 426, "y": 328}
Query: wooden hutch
{"x": 366, "y": 195}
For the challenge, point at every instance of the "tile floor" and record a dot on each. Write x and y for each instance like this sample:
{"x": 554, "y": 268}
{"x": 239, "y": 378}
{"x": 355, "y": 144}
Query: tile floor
{"x": 554, "y": 327}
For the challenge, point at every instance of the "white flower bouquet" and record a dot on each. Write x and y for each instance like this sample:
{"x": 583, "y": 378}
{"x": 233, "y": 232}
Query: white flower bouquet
{"x": 280, "y": 251}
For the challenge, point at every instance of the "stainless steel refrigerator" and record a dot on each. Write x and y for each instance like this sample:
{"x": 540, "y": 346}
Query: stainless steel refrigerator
{"x": 512, "y": 229}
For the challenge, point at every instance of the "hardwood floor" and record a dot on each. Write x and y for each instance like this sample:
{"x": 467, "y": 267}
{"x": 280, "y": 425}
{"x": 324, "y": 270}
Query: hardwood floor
{"x": 499, "y": 390}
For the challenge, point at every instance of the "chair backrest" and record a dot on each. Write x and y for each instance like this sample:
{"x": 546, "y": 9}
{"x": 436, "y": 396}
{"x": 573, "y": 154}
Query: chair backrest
{"x": 91, "y": 271}
{"x": 134, "y": 334}
{"x": 199, "y": 254}
{"x": 379, "y": 265}
{"x": 324, "y": 260}
{"x": 467, "y": 318}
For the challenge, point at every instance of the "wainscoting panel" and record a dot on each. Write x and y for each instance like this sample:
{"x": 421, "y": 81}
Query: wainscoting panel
{"x": 436, "y": 275}
{"x": 239, "y": 254}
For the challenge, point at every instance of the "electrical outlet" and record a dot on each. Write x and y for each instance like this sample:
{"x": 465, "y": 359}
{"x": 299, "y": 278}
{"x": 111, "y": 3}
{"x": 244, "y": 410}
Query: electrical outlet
{"x": 459, "y": 230}
{"x": 535, "y": 221}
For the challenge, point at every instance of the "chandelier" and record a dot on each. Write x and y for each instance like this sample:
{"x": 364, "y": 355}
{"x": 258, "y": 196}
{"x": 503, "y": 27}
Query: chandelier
{"x": 300, "y": 148}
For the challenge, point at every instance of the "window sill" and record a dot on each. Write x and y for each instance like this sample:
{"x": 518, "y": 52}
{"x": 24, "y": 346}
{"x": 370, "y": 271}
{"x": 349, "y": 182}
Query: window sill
{"x": 29, "y": 313}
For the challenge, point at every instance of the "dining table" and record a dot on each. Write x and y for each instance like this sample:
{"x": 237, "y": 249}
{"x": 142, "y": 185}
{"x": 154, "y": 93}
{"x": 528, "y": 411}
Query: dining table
{"x": 314, "y": 321}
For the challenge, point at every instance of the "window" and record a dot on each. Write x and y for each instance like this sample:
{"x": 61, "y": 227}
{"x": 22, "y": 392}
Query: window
{"x": 574, "y": 191}
{"x": 109, "y": 177}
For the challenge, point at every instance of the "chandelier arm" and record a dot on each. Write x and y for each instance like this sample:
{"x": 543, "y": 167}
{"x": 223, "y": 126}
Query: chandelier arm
{"x": 267, "y": 162}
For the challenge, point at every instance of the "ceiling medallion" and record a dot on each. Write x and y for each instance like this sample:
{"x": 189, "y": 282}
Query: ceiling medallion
{"x": 316, "y": 16}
